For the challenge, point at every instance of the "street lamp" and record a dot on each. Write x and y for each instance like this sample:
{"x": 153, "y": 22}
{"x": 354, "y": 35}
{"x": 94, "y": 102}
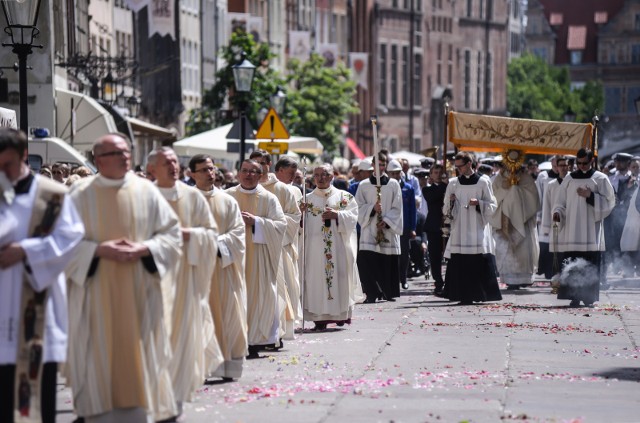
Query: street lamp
{"x": 278, "y": 100}
{"x": 243, "y": 79}
{"x": 133, "y": 104}
{"x": 22, "y": 17}
{"x": 109, "y": 89}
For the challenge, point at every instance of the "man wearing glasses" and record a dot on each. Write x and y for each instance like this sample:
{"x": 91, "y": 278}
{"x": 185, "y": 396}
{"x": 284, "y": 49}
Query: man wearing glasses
{"x": 470, "y": 203}
{"x": 265, "y": 226}
{"x": 584, "y": 199}
{"x": 228, "y": 289}
{"x": 132, "y": 242}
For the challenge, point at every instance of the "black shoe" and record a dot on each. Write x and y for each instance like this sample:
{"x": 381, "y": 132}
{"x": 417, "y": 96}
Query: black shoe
{"x": 574, "y": 303}
{"x": 464, "y": 303}
{"x": 393, "y": 300}
{"x": 253, "y": 352}
{"x": 405, "y": 286}
{"x": 513, "y": 287}
{"x": 319, "y": 327}
{"x": 370, "y": 300}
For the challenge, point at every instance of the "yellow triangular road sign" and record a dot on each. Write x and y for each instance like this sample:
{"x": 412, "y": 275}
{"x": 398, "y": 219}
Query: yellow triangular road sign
{"x": 272, "y": 127}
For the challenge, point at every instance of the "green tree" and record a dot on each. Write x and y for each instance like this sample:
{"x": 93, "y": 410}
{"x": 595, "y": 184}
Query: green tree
{"x": 319, "y": 98}
{"x": 536, "y": 90}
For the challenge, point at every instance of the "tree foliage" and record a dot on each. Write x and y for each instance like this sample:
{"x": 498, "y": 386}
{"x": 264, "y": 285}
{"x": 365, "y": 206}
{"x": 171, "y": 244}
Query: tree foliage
{"x": 319, "y": 98}
{"x": 536, "y": 90}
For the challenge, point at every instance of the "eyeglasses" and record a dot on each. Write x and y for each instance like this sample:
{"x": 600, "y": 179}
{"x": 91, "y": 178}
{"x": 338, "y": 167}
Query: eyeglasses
{"x": 251, "y": 172}
{"x": 205, "y": 170}
{"x": 321, "y": 175}
{"x": 462, "y": 165}
{"x": 115, "y": 153}
{"x": 563, "y": 165}
{"x": 583, "y": 163}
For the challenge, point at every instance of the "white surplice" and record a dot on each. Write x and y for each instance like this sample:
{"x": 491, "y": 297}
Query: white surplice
{"x": 263, "y": 250}
{"x": 391, "y": 203}
{"x": 470, "y": 230}
{"x": 47, "y": 257}
{"x": 195, "y": 346}
{"x": 580, "y": 224}
{"x": 119, "y": 349}
{"x": 228, "y": 296}
{"x": 332, "y": 286}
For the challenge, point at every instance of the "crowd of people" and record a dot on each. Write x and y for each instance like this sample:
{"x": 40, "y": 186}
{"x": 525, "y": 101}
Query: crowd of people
{"x": 148, "y": 283}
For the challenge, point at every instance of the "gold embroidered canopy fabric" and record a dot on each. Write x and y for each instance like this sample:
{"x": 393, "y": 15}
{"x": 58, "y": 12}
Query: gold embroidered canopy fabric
{"x": 493, "y": 133}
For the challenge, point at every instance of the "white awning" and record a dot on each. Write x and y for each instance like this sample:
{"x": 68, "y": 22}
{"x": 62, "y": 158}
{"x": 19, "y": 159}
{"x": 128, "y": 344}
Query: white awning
{"x": 147, "y": 128}
{"x": 80, "y": 119}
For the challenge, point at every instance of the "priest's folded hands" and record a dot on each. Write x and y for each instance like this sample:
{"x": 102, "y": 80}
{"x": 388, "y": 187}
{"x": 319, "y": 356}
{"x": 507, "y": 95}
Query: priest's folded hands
{"x": 122, "y": 250}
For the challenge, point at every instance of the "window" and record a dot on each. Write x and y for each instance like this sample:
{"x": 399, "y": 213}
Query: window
{"x": 469, "y": 6}
{"x": 612, "y": 100}
{"x": 540, "y": 52}
{"x": 489, "y": 83}
{"x": 489, "y": 10}
{"x": 632, "y": 94}
{"x": 405, "y": 76}
{"x": 383, "y": 74}
{"x": 394, "y": 76}
{"x": 479, "y": 82}
{"x": 576, "y": 57}
{"x": 467, "y": 79}
{"x": 481, "y": 9}
{"x": 417, "y": 80}
{"x": 635, "y": 53}
{"x": 636, "y": 24}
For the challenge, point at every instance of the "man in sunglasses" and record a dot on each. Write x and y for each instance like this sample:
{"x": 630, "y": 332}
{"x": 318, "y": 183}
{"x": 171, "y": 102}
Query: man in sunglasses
{"x": 584, "y": 199}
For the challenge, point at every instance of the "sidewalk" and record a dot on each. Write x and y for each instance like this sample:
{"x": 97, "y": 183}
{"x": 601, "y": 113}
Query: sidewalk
{"x": 528, "y": 358}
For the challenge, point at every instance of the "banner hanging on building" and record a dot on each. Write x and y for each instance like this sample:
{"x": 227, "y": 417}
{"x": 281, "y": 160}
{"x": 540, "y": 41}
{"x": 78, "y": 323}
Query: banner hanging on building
{"x": 330, "y": 54}
{"x": 162, "y": 18}
{"x": 359, "y": 64}
{"x": 299, "y": 45}
{"x": 492, "y": 133}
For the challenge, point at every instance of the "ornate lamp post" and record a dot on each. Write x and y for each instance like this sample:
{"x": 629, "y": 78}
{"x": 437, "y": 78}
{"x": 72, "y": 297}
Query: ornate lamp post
{"x": 243, "y": 79}
{"x": 22, "y": 17}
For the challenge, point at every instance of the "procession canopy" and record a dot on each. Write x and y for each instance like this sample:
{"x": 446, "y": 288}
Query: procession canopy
{"x": 498, "y": 134}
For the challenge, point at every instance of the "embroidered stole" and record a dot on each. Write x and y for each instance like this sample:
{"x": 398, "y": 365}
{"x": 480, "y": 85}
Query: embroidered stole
{"x": 46, "y": 209}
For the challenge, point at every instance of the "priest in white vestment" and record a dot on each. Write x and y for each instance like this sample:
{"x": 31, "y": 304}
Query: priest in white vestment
{"x": 332, "y": 285}
{"x": 514, "y": 227}
{"x": 228, "y": 294}
{"x": 35, "y": 247}
{"x": 584, "y": 199}
{"x": 470, "y": 203}
{"x": 193, "y": 341}
{"x": 120, "y": 351}
{"x": 286, "y": 279}
{"x": 285, "y": 170}
{"x": 381, "y": 225}
{"x": 265, "y": 225}
{"x": 630, "y": 241}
